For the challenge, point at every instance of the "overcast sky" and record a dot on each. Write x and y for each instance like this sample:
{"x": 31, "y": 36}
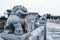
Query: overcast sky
{"x": 40, "y": 6}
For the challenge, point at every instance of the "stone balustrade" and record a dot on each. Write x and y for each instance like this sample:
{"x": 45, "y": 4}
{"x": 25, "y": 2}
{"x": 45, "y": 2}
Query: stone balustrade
{"x": 37, "y": 34}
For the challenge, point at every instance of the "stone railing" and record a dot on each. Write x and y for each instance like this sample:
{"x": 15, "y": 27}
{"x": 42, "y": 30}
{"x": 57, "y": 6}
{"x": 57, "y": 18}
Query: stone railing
{"x": 37, "y": 34}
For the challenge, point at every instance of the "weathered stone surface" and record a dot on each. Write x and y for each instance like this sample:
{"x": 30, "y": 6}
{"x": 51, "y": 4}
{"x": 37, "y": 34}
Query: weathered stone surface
{"x": 14, "y": 37}
{"x": 16, "y": 24}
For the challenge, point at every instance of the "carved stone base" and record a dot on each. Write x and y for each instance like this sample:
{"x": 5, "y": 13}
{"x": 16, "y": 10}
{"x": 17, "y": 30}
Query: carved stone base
{"x": 14, "y": 37}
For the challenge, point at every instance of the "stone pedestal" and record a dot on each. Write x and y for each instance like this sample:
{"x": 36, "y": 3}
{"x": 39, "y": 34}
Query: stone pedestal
{"x": 14, "y": 37}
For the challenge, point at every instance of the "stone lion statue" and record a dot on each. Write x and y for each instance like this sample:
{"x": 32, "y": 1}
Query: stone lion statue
{"x": 16, "y": 22}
